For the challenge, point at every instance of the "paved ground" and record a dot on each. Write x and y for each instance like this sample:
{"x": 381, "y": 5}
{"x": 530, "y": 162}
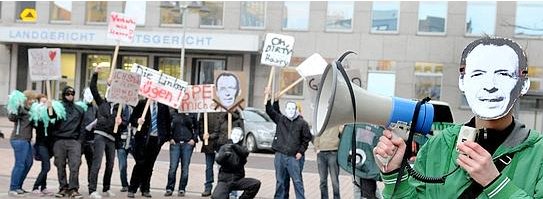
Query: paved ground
{"x": 260, "y": 166}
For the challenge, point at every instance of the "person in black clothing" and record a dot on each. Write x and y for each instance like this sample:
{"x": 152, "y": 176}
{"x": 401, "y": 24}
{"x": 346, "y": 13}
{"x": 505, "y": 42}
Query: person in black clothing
{"x": 87, "y": 130}
{"x": 104, "y": 138}
{"x": 154, "y": 133}
{"x": 67, "y": 148}
{"x": 184, "y": 137}
{"x": 123, "y": 144}
{"x": 43, "y": 152}
{"x": 232, "y": 157}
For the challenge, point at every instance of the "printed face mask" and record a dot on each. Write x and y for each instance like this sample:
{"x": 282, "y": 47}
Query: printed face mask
{"x": 290, "y": 110}
{"x": 491, "y": 81}
{"x": 237, "y": 134}
{"x": 87, "y": 95}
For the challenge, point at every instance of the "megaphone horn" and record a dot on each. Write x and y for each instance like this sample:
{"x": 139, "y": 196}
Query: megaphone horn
{"x": 334, "y": 106}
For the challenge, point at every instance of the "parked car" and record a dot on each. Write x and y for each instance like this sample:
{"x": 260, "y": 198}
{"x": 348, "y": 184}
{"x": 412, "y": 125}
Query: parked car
{"x": 259, "y": 129}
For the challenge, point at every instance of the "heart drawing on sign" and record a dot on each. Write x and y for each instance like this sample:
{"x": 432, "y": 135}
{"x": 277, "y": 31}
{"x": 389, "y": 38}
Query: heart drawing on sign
{"x": 52, "y": 55}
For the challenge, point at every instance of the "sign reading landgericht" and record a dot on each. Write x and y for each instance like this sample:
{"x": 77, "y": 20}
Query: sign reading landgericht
{"x": 165, "y": 39}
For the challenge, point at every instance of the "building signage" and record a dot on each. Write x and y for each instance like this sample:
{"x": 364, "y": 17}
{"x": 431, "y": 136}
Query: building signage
{"x": 152, "y": 39}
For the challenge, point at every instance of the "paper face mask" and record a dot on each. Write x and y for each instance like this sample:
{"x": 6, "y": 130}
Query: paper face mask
{"x": 227, "y": 89}
{"x": 237, "y": 135}
{"x": 87, "y": 95}
{"x": 290, "y": 110}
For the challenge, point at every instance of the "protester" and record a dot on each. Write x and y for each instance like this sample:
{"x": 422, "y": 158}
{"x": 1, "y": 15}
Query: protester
{"x": 43, "y": 146}
{"x": 87, "y": 130}
{"x": 326, "y": 146}
{"x": 124, "y": 147}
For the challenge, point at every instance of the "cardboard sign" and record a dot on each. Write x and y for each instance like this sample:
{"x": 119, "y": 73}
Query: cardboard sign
{"x": 313, "y": 65}
{"x": 277, "y": 50}
{"x": 44, "y": 63}
{"x": 160, "y": 87}
{"x": 198, "y": 99}
{"x": 124, "y": 87}
{"x": 121, "y": 27}
{"x": 228, "y": 87}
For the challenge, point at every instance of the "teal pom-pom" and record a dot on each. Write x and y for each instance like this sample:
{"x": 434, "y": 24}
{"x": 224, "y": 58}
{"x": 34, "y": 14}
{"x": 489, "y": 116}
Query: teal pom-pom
{"x": 38, "y": 112}
{"x": 15, "y": 100}
{"x": 60, "y": 111}
{"x": 83, "y": 105}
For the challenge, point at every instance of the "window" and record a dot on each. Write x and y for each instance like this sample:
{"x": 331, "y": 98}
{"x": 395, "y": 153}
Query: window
{"x": 170, "y": 13}
{"x": 67, "y": 68}
{"x": 104, "y": 61}
{"x": 432, "y": 16}
{"x": 127, "y": 61}
{"x": 384, "y": 16}
{"x": 529, "y": 21}
{"x": 289, "y": 75}
{"x": 480, "y": 18}
{"x": 136, "y": 10}
{"x": 339, "y": 16}
{"x": 170, "y": 66}
{"x": 25, "y": 11}
{"x": 253, "y": 14}
{"x": 536, "y": 78}
{"x": 61, "y": 11}
{"x": 205, "y": 70}
{"x": 214, "y": 17}
{"x": 296, "y": 15}
{"x": 428, "y": 80}
{"x": 97, "y": 11}
{"x": 381, "y": 77}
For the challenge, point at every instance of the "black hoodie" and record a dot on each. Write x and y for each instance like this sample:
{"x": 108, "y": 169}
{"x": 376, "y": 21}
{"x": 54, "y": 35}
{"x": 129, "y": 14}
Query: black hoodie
{"x": 69, "y": 128}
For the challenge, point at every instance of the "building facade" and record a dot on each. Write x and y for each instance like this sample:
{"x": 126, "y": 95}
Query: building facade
{"x": 405, "y": 49}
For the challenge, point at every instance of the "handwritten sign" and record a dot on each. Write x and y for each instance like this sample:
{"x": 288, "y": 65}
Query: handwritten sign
{"x": 198, "y": 99}
{"x": 313, "y": 65}
{"x": 121, "y": 27}
{"x": 124, "y": 87}
{"x": 44, "y": 63}
{"x": 160, "y": 87}
{"x": 277, "y": 50}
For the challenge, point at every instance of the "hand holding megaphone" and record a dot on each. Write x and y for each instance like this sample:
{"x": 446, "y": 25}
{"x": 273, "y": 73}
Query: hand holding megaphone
{"x": 389, "y": 151}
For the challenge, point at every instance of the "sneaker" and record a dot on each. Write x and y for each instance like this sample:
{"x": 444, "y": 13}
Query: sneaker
{"x": 16, "y": 193}
{"x": 37, "y": 192}
{"x": 124, "y": 189}
{"x": 146, "y": 194}
{"x": 130, "y": 195}
{"x": 206, "y": 193}
{"x": 181, "y": 193}
{"x": 95, "y": 195}
{"x": 75, "y": 194}
{"x": 168, "y": 193}
{"x": 108, "y": 193}
{"x": 22, "y": 190}
{"x": 46, "y": 192}
{"x": 62, "y": 193}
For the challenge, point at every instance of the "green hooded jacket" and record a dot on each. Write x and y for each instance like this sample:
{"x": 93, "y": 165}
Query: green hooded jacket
{"x": 522, "y": 178}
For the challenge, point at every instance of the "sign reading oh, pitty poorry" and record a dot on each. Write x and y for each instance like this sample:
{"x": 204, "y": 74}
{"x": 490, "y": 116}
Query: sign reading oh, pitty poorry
{"x": 121, "y": 27}
{"x": 277, "y": 50}
{"x": 160, "y": 87}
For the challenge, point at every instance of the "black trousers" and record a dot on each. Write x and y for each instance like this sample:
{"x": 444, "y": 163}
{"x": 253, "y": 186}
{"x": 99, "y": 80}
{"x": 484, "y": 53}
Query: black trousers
{"x": 368, "y": 188}
{"x": 102, "y": 145}
{"x": 67, "y": 152}
{"x": 249, "y": 186}
{"x": 145, "y": 154}
{"x": 87, "y": 149}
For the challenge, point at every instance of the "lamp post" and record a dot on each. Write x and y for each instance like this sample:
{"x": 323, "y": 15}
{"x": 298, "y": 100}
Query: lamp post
{"x": 184, "y": 9}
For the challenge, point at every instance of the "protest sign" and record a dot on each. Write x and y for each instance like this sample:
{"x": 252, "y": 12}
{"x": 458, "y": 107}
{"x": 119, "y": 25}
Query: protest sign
{"x": 160, "y": 87}
{"x": 44, "y": 63}
{"x": 277, "y": 50}
{"x": 124, "y": 87}
{"x": 198, "y": 99}
{"x": 121, "y": 27}
{"x": 228, "y": 86}
{"x": 312, "y": 66}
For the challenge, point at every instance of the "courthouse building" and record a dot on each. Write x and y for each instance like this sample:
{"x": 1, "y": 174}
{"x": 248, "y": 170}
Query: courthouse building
{"x": 405, "y": 49}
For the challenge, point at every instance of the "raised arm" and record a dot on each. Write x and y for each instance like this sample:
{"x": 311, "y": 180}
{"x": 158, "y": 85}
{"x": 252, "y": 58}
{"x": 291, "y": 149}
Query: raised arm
{"x": 94, "y": 88}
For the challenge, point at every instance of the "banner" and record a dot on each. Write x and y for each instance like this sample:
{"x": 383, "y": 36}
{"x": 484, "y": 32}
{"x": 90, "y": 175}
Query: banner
{"x": 44, "y": 63}
{"x": 160, "y": 87}
{"x": 277, "y": 50}
{"x": 198, "y": 99}
{"x": 124, "y": 87}
{"x": 121, "y": 27}
{"x": 313, "y": 65}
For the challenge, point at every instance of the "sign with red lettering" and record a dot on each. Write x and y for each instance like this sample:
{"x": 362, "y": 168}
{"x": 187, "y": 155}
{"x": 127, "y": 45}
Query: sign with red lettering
{"x": 121, "y": 27}
{"x": 124, "y": 87}
{"x": 198, "y": 99}
{"x": 160, "y": 87}
{"x": 44, "y": 63}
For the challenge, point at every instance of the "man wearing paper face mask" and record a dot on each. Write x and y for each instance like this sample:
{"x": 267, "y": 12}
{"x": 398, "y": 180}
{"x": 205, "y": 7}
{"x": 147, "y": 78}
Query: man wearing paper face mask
{"x": 87, "y": 130}
{"x": 504, "y": 159}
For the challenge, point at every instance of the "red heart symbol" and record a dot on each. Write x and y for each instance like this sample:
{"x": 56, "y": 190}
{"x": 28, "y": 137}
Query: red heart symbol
{"x": 52, "y": 55}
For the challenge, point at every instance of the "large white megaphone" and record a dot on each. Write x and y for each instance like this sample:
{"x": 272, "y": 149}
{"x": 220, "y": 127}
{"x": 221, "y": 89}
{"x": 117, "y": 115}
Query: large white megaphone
{"x": 334, "y": 107}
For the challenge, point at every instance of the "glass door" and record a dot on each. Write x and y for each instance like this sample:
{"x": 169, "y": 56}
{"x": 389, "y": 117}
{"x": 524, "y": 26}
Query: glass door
{"x": 205, "y": 70}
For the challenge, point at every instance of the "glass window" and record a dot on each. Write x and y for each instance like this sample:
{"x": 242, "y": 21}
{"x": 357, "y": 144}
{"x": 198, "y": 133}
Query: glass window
{"x": 61, "y": 11}
{"x": 339, "y": 15}
{"x": 205, "y": 70}
{"x": 381, "y": 77}
{"x": 536, "y": 78}
{"x": 67, "y": 70}
{"x": 289, "y": 75}
{"x": 384, "y": 16}
{"x": 428, "y": 78}
{"x": 104, "y": 61}
{"x": 170, "y": 13}
{"x": 215, "y": 15}
{"x": 253, "y": 14}
{"x": 97, "y": 11}
{"x": 252, "y": 116}
{"x": 529, "y": 21}
{"x": 127, "y": 61}
{"x": 136, "y": 10}
{"x": 170, "y": 66}
{"x": 481, "y": 18}
{"x": 432, "y": 16}
{"x": 26, "y": 9}
{"x": 296, "y": 15}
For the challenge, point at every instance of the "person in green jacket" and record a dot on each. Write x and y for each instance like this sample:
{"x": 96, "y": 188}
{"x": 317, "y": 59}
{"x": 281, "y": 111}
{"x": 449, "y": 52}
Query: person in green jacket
{"x": 493, "y": 75}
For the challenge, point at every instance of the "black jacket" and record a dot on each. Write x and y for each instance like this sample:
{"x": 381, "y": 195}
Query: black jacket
{"x": 184, "y": 127}
{"x": 68, "y": 128}
{"x": 291, "y": 136}
{"x": 106, "y": 113}
{"x": 163, "y": 122}
{"x": 88, "y": 117}
{"x": 232, "y": 158}
{"x": 218, "y": 129}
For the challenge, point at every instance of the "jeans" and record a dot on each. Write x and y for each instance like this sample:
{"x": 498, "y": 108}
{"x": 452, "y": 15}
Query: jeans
{"x": 67, "y": 152}
{"x": 41, "y": 181}
{"x": 178, "y": 151}
{"x": 102, "y": 144}
{"x": 288, "y": 165}
{"x": 210, "y": 160}
{"x": 327, "y": 163}
{"x": 122, "y": 155}
{"x": 22, "y": 150}
{"x": 287, "y": 177}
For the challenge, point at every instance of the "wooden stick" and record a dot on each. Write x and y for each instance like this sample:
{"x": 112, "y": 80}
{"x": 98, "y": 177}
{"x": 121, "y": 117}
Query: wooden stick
{"x": 270, "y": 78}
{"x": 206, "y": 131}
{"x": 144, "y": 112}
{"x": 229, "y": 125}
{"x": 114, "y": 61}
{"x": 119, "y": 110}
{"x": 289, "y": 87}
{"x": 48, "y": 90}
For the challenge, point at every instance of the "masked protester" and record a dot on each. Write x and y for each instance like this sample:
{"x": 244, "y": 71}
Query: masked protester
{"x": 504, "y": 159}
{"x": 87, "y": 129}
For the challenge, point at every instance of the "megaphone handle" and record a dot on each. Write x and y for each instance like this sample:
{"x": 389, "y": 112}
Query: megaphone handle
{"x": 396, "y": 133}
